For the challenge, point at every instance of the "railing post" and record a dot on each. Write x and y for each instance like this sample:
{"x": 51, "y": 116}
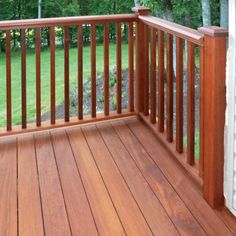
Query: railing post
{"x": 213, "y": 103}
{"x": 141, "y": 61}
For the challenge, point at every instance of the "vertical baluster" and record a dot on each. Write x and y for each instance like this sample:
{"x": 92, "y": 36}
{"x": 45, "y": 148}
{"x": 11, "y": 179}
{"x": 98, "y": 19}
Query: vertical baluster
{"x": 153, "y": 76}
{"x": 169, "y": 89}
{"x": 118, "y": 67}
{"x": 106, "y": 69}
{"x": 131, "y": 66}
{"x": 8, "y": 80}
{"x": 52, "y": 71}
{"x": 161, "y": 77}
{"x": 146, "y": 70}
{"x": 191, "y": 104}
{"x": 93, "y": 71}
{"x": 38, "y": 76}
{"x": 66, "y": 71}
{"x": 201, "y": 111}
{"x": 179, "y": 95}
{"x": 23, "y": 79}
{"x": 80, "y": 72}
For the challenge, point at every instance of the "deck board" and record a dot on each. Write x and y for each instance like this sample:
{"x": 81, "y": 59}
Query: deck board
{"x": 110, "y": 178}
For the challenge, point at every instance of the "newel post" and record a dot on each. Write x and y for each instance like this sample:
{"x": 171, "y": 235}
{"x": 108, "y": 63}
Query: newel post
{"x": 213, "y": 102}
{"x": 141, "y": 61}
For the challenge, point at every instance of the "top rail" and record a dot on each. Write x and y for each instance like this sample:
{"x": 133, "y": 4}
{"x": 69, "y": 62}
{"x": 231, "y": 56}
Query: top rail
{"x": 180, "y": 31}
{"x": 66, "y": 21}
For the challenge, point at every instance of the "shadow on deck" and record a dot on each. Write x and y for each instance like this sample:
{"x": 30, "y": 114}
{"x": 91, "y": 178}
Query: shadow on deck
{"x": 110, "y": 178}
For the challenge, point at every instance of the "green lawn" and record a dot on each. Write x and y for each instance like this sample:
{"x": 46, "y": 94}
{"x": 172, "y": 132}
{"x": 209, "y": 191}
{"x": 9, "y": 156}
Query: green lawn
{"x": 45, "y": 78}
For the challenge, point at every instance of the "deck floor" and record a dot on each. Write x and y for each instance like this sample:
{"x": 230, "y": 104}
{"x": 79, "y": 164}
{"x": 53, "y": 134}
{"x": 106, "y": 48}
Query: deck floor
{"x": 111, "y": 178}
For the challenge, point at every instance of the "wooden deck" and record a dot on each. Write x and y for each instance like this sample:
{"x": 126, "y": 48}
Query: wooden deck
{"x": 111, "y": 178}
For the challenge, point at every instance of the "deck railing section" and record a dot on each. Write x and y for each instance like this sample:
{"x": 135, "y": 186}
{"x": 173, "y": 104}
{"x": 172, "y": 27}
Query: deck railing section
{"x": 155, "y": 85}
{"x": 153, "y": 101}
{"x": 66, "y": 23}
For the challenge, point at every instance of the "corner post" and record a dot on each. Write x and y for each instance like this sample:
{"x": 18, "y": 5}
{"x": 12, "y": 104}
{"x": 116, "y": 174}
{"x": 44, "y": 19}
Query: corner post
{"x": 141, "y": 61}
{"x": 213, "y": 103}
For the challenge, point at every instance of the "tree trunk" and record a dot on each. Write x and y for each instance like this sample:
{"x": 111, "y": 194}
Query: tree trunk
{"x": 224, "y": 14}
{"x": 137, "y": 3}
{"x": 206, "y": 12}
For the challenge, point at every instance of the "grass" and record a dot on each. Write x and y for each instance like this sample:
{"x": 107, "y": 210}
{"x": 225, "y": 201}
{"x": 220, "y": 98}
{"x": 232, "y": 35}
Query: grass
{"x": 45, "y": 78}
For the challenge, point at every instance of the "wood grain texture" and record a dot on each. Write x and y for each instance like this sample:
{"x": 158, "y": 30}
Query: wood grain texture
{"x": 168, "y": 197}
{"x": 66, "y": 74}
{"x": 153, "y": 89}
{"x": 127, "y": 209}
{"x": 8, "y": 183}
{"x": 29, "y": 201}
{"x": 8, "y": 81}
{"x": 79, "y": 213}
{"x": 53, "y": 205}
{"x": 179, "y": 96}
{"x": 131, "y": 65}
{"x": 106, "y": 69}
{"x": 93, "y": 72}
{"x": 53, "y": 75}
{"x": 191, "y": 105}
{"x": 80, "y": 71}
{"x": 107, "y": 221}
{"x": 169, "y": 88}
{"x": 161, "y": 84}
{"x": 23, "y": 80}
{"x": 119, "y": 68}
{"x": 38, "y": 75}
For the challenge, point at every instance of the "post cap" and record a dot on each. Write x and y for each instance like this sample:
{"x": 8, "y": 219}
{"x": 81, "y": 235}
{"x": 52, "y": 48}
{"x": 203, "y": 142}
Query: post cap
{"x": 142, "y": 11}
{"x": 214, "y": 31}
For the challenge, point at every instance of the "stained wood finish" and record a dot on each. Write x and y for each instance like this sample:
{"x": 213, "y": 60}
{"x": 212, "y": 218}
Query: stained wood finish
{"x": 8, "y": 182}
{"x": 38, "y": 75}
{"x": 179, "y": 95}
{"x": 53, "y": 75}
{"x": 93, "y": 71}
{"x": 80, "y": 71}
{"x": 29, "y": 200}
{"x": 8, "y": 80}
{"x": 23, "y": 80}
{"x": 145, "y": 65}
{"x": 110, "y": 178}
{"x": 106, "y": 69}
{"x": 169, "y": 88}
{"x": 66, "y": 74}
{"x": 161, "y": 78}
{"x": 153, "y": 77}
{"x": 191, "y": 105}
{"x": 131, "y": 66}
{"x": 119, "y": 68}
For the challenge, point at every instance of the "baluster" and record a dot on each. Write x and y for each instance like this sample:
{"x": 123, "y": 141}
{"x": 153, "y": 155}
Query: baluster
{"x": 161, "y": 77}
{"x": 191, "y": 104}
{"x": 169, "y": 89}
{"x": 93, "y": 71}
{"x": 153, "y": 76}
{"x": 106, "y": 69}
{"x": 23, "y": 80}
{"x": 66, "y": 76}
{"x": 52, "y": 71}
{"x": 38, "y": 76}
{"x": 80, "y": 72}
{"x": 118, "y": 67}
{"x": 8, "y": 80}
{"x": 179, "y": 95}
{"x": 131, "y": 66}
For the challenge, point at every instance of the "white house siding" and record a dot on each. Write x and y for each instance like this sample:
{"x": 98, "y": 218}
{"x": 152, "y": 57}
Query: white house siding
{"x": 230, "y": 131}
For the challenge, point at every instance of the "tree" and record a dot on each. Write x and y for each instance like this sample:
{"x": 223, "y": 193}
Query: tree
{"x": 206, "y": 12}
{"x": 224, "y": 14}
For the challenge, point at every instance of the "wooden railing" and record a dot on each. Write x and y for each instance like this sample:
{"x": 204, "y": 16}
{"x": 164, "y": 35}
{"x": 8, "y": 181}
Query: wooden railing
{"x": 156, "y": 92}
{"x": 158, "y": 87}
{"x": 80, "y": 22}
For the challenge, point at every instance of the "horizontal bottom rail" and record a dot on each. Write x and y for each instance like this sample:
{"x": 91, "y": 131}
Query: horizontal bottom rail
{"x": 61, "y": 123}
{"x": 170, "y": 147}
